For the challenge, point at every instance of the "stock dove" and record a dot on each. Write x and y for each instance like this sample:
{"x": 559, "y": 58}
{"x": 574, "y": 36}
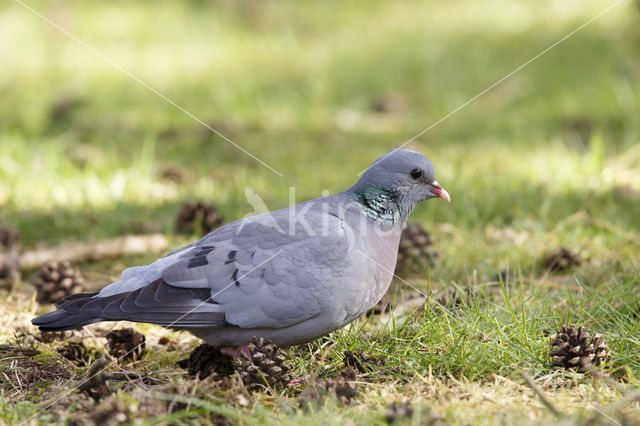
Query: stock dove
{"x": 291, "y": 275}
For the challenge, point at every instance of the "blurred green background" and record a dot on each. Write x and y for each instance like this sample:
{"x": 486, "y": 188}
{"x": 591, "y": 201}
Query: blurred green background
{"x": 318, "y": 90}
{"x": 547, "y": 160}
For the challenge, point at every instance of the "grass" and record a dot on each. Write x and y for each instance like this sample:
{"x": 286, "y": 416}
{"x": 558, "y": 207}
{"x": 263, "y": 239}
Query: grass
{"x": 547, "y": 159}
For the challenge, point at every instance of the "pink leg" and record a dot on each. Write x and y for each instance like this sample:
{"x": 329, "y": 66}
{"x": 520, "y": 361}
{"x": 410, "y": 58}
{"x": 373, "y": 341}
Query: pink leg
{"x": 244, "y": 349}
{"x": 230, "y": 352}
{"x": 297, "y": 381}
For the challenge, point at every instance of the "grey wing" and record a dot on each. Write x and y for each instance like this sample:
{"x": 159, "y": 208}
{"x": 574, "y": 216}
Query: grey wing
{"x": 247, "y": 274}
{"x": 264, "y": 277}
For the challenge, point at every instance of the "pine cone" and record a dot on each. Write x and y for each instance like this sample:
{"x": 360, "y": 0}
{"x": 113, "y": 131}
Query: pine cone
{"x": 197, "y": 217}
{"x": 10, "y": 272}
{"x": 561, "y": 261}
{"x": 267, "y": 366}
{"x": 362, "y": 363}
{"x": 206, "y": 360}
{"x": 573, "y": 348}
{"x": 342, "y": 388}
{"x": 389, "y": 103}
{"x": 75, "y": 351}
{"x": 9, "y": 239}
{"x": 50, "y": 336}
{"x": 402, "y": 413}
{"x": 398, "y": 411}
{"x": 9, "y": 244}
{"x": 126, "y": 343}
{"x": 57, "y": 280}
{"x": 110, "y": 411}
{"x": 172, "y": 174}
{"x": 414, "y": 253}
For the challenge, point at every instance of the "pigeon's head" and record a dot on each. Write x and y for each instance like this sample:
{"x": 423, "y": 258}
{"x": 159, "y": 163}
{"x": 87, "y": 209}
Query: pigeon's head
{"x": 391, "y": 187}
{"x": 408, "y": 174}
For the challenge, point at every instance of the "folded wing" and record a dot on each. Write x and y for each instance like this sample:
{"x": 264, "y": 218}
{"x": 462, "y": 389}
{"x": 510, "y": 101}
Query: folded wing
{"x": 248, "y": 274}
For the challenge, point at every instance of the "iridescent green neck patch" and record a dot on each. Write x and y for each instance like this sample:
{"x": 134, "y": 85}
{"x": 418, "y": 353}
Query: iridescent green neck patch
{"x": 379, "y": 204}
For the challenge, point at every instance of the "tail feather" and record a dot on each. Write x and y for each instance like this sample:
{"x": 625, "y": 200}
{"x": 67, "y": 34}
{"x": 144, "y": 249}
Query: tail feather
{"x": 157, "y": 303}
{"x": 62, "y": 320}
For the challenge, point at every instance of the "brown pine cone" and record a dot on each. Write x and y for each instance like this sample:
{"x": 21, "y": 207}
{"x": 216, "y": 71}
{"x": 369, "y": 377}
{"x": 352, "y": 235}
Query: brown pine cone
{"x": 398, "y": 411}
{"x": 389, "y": 103}
{"x": 343, "y": 388}
{"x": 267, "y": 365}
{"x": 10, "y": 272}
{"x": 576, "y": 349}
{"x": 197, "y": 217}
{"x": 9, "y": 239}
{"x": 57, "y": 280}
{"x": 562, "y": 260}
{"x": 340, "y": 388}
{"x": 402, "y": 413}
{"x": 172, "y": 173}
{"x": 109, "y": 410}
{"x": 9, "y": 244}
{"x": 50, "y": 336}
{"x": 361, "y": 362}
{"x": 126, "y": 344}
{"x": 415, "y": 252}
{"x": 75, "y": 351}
{"x": 206, "y": 360}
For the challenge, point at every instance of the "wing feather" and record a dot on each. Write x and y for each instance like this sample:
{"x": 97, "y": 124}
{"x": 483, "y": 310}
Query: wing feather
{"x": 248, "y": 274}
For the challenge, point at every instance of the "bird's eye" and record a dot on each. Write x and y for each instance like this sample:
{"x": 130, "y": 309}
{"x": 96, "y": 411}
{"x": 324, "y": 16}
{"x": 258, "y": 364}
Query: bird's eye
{"x": 416, "y": 173}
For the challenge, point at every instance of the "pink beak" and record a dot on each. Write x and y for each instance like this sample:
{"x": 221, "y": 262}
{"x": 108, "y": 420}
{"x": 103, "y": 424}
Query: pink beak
{"x": 440, "y": 191}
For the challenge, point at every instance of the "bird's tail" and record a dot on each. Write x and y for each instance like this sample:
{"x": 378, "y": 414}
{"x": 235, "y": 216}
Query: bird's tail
{"x": 62, "y": 319}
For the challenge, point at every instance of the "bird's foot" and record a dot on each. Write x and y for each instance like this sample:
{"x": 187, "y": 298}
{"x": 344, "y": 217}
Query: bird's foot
{"x": 296, "y": 381}
{"x": 230, "y": 352}
{"x": 245, "y": 349}
{"x": 237, "y": 353}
